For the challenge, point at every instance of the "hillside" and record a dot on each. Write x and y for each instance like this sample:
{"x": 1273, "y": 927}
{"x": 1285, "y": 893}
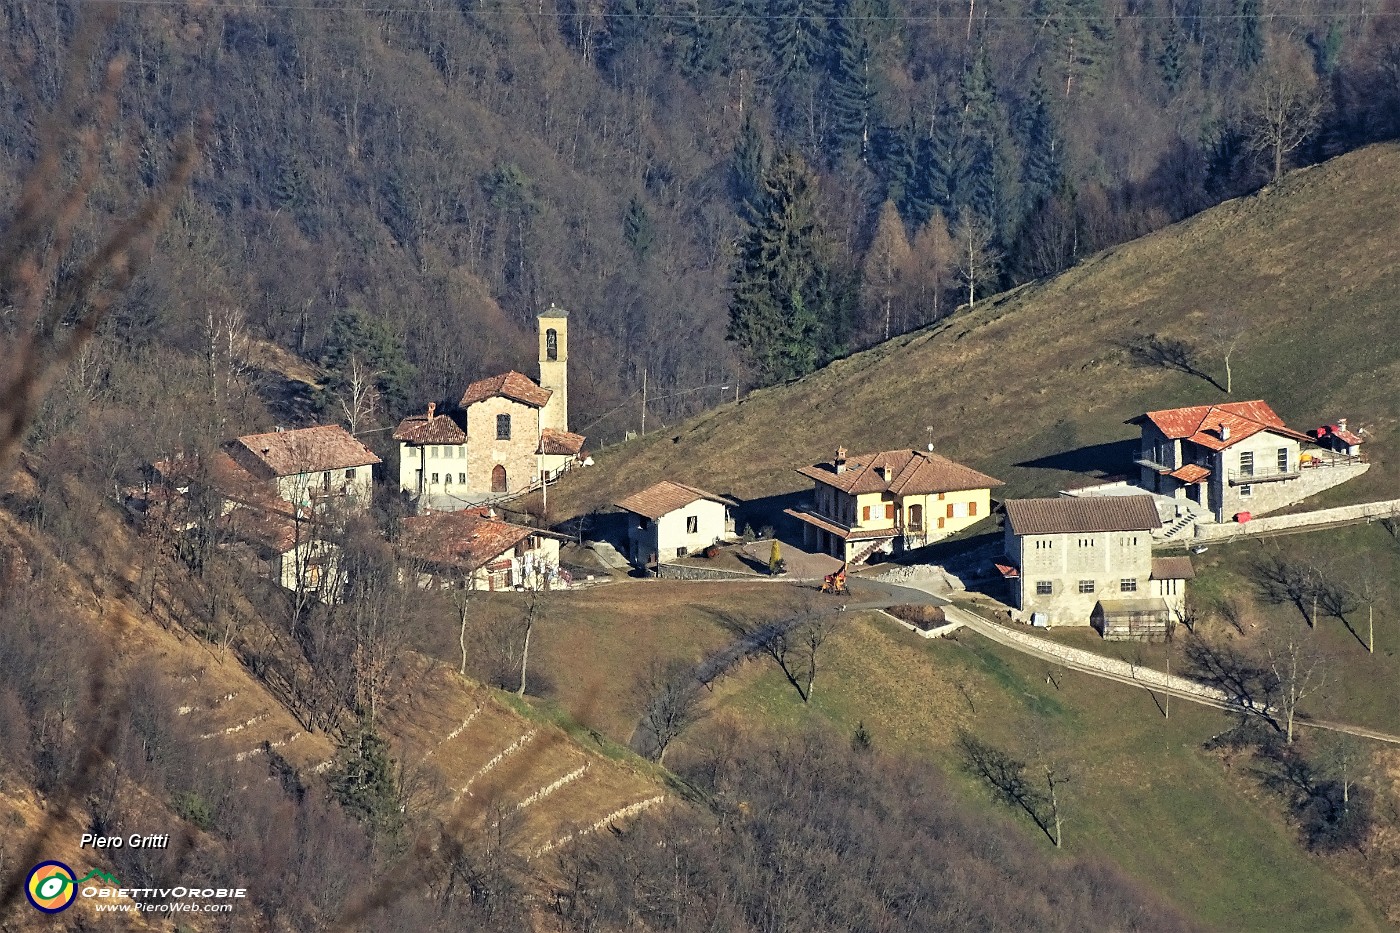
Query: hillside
{"x": 1033, "y": 385}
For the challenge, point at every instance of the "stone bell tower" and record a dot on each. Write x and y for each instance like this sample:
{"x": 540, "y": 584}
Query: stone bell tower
{"x": 554, "y": 367}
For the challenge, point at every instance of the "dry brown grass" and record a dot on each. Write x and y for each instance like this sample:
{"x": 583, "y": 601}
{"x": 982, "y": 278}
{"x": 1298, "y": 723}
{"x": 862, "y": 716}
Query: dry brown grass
{"x": 1309, "y": 267}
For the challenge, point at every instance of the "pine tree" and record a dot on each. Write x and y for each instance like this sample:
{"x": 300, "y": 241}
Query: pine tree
{"x": 799, "y": 31}
{"x": 1249, "y": 48}
{"x": 1080, "y": 34}
{"x": 1041, "y": 166}
{"x": 362, "y": 779}
{"x": 355, "y": 334}
{"x": 636, "y": 227}
{"x": 746, "y": 171}
{"x": 785, "y": 314}
{"x": 851, "y": 86}
{"x": 1171, "y": 59}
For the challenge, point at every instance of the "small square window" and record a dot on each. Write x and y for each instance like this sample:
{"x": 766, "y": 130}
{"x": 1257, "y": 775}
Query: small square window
{"x": 682, "y": 551}
{"x": 1127, "y": 585}
{"x": 1044, "y": 587}
{"x": 432, "y": 451}
{"x": 1086, "y": 586}
{"x": 1246, "y": 491}
{"x": 350, "y": 474}
{"x": 692, "y": 524}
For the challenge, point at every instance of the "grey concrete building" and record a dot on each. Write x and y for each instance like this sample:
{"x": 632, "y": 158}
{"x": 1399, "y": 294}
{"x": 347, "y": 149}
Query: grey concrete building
{"x": 1070, "y": 560}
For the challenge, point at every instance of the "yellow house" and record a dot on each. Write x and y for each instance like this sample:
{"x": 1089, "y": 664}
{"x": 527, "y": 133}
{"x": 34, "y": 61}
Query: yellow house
{"x": 895, "y": 499}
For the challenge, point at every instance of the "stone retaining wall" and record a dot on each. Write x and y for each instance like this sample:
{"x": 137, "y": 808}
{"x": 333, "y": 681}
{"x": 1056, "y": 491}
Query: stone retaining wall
{"x": 1365, "y": 511}
{"x": 688, "y": 572}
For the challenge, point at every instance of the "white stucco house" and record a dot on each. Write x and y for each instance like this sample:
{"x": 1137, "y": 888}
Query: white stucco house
{"x": 671, "y": 520}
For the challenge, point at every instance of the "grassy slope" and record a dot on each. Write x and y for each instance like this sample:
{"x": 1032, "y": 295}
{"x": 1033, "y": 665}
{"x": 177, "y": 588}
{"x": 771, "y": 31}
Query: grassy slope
{"x": 1143, "y": 795}
{"x": 1309, "y": 269}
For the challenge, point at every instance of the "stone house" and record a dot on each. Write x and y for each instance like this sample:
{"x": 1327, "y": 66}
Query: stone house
{"x": 472, "y": 550}
{"x": 1072, "y": 560}
{"x": 1233, "y": 458}
{"x": 507, "y": 436}
{"x": 670, "y": 520}
{"x": 888, "y": 501}
{"x": 322, "y": 466}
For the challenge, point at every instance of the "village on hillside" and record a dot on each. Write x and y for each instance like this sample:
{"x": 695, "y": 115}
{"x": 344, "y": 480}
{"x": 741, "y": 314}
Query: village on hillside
{"x": 1113, "y": 554}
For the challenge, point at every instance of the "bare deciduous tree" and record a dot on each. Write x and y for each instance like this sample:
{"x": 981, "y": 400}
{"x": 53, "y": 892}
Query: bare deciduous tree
{"x": 978, "y": 257}
{"x": 670, "y": 697}
{"x": 359, "y": 394}
{"x": 1298, "y": 673}
{"x": 1283, "y": 107}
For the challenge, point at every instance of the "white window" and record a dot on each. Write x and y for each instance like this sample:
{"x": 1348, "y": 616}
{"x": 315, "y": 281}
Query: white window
{"x": 959, "y": 510}
{"x": 1127, "y": 585}
{"x": 692, "y": 524}
{"x": 1246, "y": 491}
{"x": 1086, "y": 542}
{"x": 1044, "y": 587}
{"x": 432, "y": 451}
{"x": 1247, "y": 463}
{"x": 1283, "y": 459}
{"x": 449, "y": 452}
{"x": 1086, "y": 586}
{"x": 411, "y": 453}
{"x": 462, "y": 478}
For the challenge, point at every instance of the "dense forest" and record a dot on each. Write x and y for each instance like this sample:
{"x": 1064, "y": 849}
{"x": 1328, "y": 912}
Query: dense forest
{"x": 804, "y": 177}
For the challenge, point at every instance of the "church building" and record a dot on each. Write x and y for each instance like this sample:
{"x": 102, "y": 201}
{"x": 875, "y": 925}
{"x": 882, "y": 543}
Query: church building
{"x": 508, "y": 435}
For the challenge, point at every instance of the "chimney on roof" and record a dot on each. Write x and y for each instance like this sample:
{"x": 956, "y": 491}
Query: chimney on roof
{"x": 1224, "y": 432}
{"x": 840, "y": 461}
{"x": 1341, "y": 424}
{"x": 432, "y": 407}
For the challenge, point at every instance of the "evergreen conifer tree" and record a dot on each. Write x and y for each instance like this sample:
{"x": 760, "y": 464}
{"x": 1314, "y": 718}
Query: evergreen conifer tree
{"x": 799, "y": 31}
{"x": 851, "y": 86}
{"x": 785, "y": 314}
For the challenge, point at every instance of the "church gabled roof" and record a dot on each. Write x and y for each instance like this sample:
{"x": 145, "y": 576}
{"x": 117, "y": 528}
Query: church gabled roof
{"x": 512, "y": 385}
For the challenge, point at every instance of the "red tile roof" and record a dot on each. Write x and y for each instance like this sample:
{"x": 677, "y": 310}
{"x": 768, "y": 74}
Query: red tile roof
{"x": 512, "y": 385}
{"x": 1205, "y": 424}
{"x": 1191, "y": 473}
{"x": 422, "y": 429}
{"x": 463, "y": 540}
{"x": 562, "y": 443}
{"x": 304, "y": 450}
{"x": 902, "y": 472}
{"x": 665, "y": 497}
{"x": 1081, "y": 514}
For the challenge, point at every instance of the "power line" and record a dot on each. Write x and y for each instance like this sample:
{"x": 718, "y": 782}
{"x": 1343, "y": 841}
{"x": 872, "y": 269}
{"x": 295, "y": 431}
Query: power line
{"x": 953, "y": 17}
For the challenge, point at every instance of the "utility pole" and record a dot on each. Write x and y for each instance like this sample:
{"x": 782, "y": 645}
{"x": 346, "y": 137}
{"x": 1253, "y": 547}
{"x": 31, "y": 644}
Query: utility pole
{"x": 1167, "y": 710}
{"x": 644, "y": 401}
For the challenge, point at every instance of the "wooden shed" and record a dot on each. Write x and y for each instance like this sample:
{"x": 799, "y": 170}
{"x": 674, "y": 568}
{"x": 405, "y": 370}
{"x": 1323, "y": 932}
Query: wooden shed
{"x": 1131, "y": 619}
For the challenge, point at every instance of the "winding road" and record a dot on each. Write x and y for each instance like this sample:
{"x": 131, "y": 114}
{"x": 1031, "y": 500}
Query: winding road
{"x": 883, "y": 595}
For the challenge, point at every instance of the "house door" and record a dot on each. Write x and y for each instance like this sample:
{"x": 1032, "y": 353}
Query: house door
{"x": 498, "y": 479}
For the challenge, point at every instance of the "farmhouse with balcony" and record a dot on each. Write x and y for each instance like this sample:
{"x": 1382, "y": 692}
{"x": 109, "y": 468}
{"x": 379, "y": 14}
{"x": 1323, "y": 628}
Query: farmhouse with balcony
{"x": 471, "y": 549}
{"x": 1238, "y": 457}
{"x": 889, "y": 501}
{"x": 671, "y": 520}
{"x": 508, "y": 435}
{"x": 1081, "y": 561}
